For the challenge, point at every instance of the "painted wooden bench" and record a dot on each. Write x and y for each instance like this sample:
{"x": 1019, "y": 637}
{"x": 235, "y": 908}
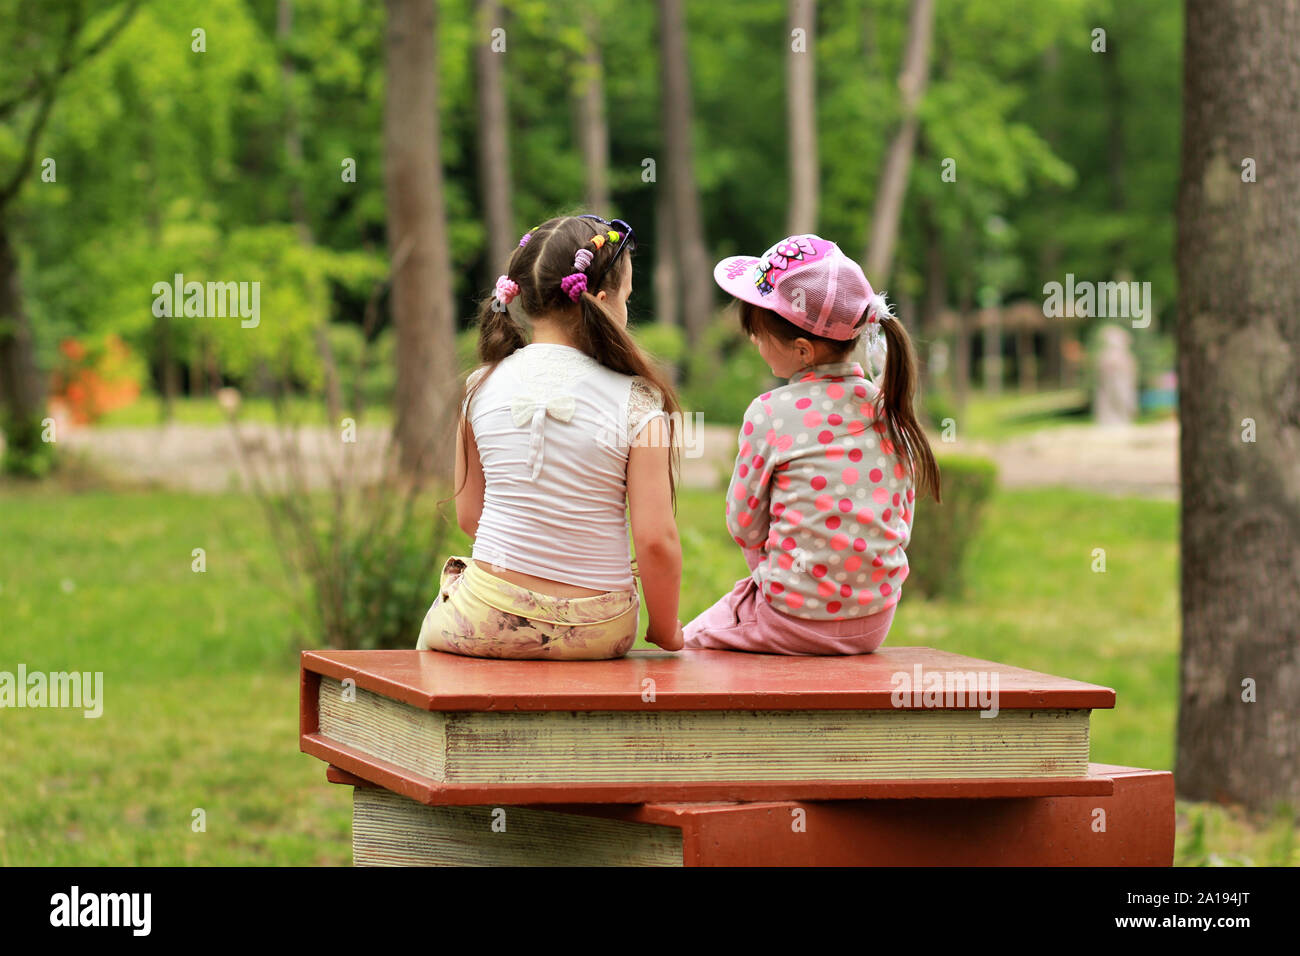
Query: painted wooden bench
{"x": 1093, "y": 814}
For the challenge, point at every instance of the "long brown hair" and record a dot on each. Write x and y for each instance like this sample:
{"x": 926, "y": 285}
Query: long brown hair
{"x": 538, "y": 267}
{"x": 893, "y": 404}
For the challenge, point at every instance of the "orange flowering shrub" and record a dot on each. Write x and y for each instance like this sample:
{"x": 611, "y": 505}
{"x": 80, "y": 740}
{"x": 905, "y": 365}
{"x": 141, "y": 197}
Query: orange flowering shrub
{"x": 94, "y": 378}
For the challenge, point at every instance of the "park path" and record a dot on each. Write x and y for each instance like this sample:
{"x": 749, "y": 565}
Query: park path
{"x": 1128, "y": 460}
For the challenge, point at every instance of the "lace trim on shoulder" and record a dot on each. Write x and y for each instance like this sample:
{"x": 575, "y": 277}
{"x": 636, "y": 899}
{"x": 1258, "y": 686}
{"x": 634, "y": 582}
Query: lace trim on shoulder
{"x": 643, "y": 403}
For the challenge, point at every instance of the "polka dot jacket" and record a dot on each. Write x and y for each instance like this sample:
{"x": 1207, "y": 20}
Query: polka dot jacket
{"x": 818, "y": 500}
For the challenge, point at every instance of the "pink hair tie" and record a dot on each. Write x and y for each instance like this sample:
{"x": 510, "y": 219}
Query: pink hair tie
{"x": 574, "y": 285}
{"x": 582, "y": 260}
{"x": 506, "y": 289}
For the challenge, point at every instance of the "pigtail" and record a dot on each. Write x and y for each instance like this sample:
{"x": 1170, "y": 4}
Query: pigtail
{"x": 895, "y": 401}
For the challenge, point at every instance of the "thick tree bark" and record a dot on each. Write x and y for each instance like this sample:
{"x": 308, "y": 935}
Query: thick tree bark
{"x": 912, "y": 82}
{"x": 1239, "y": 359}
{"x": 593, "y": 127}
{"x": 417, "y": 239}
{"x": 22, "y": 387}
{"x": 694, "y": 267}
{"x": 801, "y": 117}
{"x": 493, "y": 141}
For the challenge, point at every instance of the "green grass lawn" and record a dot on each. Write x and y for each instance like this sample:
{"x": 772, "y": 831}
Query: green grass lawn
{"x": 200, "y": 698}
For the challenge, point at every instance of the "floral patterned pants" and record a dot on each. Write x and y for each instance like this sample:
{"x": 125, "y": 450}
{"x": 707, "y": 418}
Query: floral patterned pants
{"x": 480, "y": 615}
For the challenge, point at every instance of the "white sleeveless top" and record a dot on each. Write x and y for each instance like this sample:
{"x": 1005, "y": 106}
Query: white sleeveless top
{"x": 553, "y": 428}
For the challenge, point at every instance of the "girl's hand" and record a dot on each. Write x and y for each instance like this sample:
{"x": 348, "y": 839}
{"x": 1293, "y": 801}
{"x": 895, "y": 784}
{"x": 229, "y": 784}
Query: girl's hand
{"x": 673, "y": 643}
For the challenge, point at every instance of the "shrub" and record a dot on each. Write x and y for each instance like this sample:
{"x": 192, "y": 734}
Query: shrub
{"x": 725, "y": 373}
{"x": 361, "y": 541}
{"x": 942, "y": 533}
{"x": 26, "y": 454}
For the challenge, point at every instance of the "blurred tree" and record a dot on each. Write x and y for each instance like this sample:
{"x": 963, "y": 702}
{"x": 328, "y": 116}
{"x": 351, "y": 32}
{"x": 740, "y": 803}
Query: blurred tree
{"x": 912, "y": 83}
{"x": 1239, "y": 403}
{"x": 801, "y": 116}
{"x": 593, "y": 128}
{"x": 50, "y": 42}
{"x": 293, "y": 161}
{"x": 490, "y": 49}
{"x": 693, "y": 267}
{"x": 421, "y": 298}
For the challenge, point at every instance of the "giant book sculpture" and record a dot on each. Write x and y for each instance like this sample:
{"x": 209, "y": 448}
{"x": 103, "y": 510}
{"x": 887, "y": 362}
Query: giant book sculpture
{"x": 905, "y": 756}
{"x": 700, "y": 725}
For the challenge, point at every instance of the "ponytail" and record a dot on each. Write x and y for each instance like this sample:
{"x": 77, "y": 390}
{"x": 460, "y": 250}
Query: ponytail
{"x": 499, "y": 335}
{"x": 895, "y": 403}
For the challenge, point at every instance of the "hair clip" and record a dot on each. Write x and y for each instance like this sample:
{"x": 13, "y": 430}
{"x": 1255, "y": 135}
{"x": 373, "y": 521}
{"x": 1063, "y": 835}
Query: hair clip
{"x": 575, "y": 284}
{"x": 506, "y": 289}
{"x": 878, "y": 308}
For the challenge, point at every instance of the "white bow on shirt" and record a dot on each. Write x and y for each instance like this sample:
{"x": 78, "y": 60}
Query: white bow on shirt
{"x": 528, "y": 408}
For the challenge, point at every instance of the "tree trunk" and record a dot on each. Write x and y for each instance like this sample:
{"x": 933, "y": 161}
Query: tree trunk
{"x": 22, "y": 386}
{"x": 1116, "y": 107}
{"x": 593, "y": 127}
{"x": 992, "y": 363}
{"x": 668, "y": 289}
{"x": 694, "y": 267}
{"x": 935, "y": 298}
{"x": 801, "y": 117}
{"x": 1026, "y": 361}
{"x": 417, "y": 240}
{"x": 961, "y": 365}
{"x": 298, "y": 204}
{"x": 1239, "y": 359}
{"x": 912, "y": 83}
{"x": 493, "y": 142}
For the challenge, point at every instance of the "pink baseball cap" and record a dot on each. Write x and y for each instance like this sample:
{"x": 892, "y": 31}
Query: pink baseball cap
{"x": 807, "y": 280}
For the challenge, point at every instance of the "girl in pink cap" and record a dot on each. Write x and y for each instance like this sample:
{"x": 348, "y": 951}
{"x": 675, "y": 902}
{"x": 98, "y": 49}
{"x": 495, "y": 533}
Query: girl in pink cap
{"x": 824, "y": 487}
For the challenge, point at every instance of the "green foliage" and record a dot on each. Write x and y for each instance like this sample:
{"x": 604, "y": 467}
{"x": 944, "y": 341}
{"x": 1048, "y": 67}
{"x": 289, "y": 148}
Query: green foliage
{"x": 725, "y": 373}
{"x": 25, "y": 454}
{"x": 388, "y": 580}
{"x": 369, "y": 370}
{"x": 667, "y": 343}
{"x": 942, "y": 534}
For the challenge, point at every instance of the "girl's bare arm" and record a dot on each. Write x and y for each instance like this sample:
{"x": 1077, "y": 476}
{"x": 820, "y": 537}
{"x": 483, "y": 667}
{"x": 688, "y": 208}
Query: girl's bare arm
{"x": 654, "y": 532}
{"x": 469, "y": 479}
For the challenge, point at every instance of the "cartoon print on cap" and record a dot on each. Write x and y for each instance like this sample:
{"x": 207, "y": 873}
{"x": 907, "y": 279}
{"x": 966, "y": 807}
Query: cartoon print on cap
{"x": 781, "y": 257}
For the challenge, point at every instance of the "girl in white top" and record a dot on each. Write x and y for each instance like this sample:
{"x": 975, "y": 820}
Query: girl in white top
{"x": 560, "y": 439}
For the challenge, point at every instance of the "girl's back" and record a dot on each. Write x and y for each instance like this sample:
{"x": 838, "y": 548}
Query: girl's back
{"x": 554, "y": 428}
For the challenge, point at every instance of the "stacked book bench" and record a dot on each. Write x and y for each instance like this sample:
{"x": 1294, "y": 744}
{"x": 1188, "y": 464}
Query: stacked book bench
{"x": 908, "y": 756}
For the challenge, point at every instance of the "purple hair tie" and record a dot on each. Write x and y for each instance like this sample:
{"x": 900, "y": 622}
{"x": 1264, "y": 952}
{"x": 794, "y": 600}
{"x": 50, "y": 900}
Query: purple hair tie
{"x": 574, "y": 285}
{"x": 524, "y": 241}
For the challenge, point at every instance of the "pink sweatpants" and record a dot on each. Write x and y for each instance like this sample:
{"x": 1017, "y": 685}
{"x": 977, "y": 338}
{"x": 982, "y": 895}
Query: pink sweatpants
{"x": 743, "y": 621}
